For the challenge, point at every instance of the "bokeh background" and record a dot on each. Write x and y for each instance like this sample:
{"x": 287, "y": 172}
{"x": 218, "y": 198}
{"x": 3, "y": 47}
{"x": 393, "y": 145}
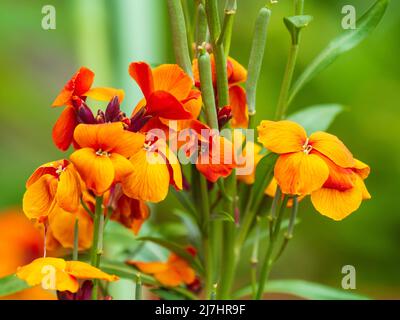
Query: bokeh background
{"x": 106, "y": 35}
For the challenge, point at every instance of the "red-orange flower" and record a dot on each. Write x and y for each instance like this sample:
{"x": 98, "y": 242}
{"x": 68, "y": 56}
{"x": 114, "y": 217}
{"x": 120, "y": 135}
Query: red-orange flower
{"x": 102, "y": 159}
{"x": 168, "y": 94}
{"x": 73, "y": 96}
{"x": 54, "y": 183}
{"x": 174, "y": 272}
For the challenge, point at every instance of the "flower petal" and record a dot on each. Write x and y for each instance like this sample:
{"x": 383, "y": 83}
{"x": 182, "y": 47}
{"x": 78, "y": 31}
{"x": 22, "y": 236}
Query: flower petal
{"x": 83, "y": 81}
{"x": 238, "y": 73}
{"x": 237, "y": 98}
{"x": 299, "y": 173}
{"x": 330, "y": 146}
{"x": 97, "y": 171}
{"x": 39, "y": 197}
{"x": 193, "y": 103}
{"x": 165, "y": 105}
{"x": 68, "y": 190}
{"x": 172, "y": 79}
{"x": 105, "y": 94}
{"x": 82, "y": 270}
{"x": 62, "y": 224}
{"x": 361, "y": 169}
{"x": 149, "y": 267}
{"x": 149, "y": 180}
{"x": 141, "y": 73}
{"x": 122, "y": 166}
{"x": 281, "y": 136}
{"x": 337, "y": 204}
{"x": 169, "y": 278}
{"x": 63, "y": 130}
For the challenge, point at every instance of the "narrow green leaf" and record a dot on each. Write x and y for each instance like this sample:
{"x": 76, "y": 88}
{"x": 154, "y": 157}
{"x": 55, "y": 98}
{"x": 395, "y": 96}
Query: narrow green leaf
{"x": 11, "y": 284}
{"x": 343, "y": 43}
{"x": 168, "y": 295}
{"x": 176, "y": 248}
{"x": 318, "y": 117}
{"x": 303, "y": 289}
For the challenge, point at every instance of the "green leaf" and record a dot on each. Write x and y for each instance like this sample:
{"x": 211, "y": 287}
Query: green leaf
{"x": 316, "y": 118}
{"x": 191, "y": 225}
{"x": 343, "y": 43}
{"x": 303, "y": 289}
{"x": 178, "y": 249}
{"x": 11, "y": 284}
{"x": 222, "y": 216}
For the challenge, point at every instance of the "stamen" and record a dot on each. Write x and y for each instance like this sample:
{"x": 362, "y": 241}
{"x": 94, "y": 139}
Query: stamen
{"x": 102, "y": 153}
{"x": 306, "y": 147}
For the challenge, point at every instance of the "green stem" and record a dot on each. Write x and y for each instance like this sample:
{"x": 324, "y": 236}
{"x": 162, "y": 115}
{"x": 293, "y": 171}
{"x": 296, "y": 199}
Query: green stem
{"x": 225, "y": 36}
{"x": 254, "y": 258}
{"x": 189, "y": 27}
{"x": 268, "y": 260}
{"x": 219, "y": 54}
{"x": 97, "y": 242}
{"x": 201, "y": 27}
{"x": 76, "y": 241}
{"x": 138, "y": 287}
{"x": 179, "y": 35}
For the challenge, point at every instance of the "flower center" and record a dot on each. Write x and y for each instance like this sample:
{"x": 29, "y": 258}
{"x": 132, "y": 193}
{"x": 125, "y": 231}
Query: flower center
{"x": 102, "y": 153}
{"x": 307, "y": 147}
{"x": 59, "y": 170}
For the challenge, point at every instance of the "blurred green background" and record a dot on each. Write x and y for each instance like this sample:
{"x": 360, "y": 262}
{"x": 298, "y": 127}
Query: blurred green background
{"x": 106, "y": 35}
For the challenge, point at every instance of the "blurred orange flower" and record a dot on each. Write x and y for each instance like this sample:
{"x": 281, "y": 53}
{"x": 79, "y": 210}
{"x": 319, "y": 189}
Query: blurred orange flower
{"x": 66, "y": 273}
{"x": 54, "y": 183}
{"x": 72, "y": 96}
{"x": 174, "y": 272}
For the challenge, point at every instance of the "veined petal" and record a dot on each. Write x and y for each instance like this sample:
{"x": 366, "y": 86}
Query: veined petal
{"x": 39, "y": 197}
{"x": 330, "y": 146}
{"x": 68, "y": 190}
{"x": 128, "y": 143}
{"x": 174, "y": 167}
{"x": 300, "y": 173}
{"x": 149, "y": 180}
{"x": 281, "y": 136}
{"x": 82, "y": 270}
{"x": 122, "y": 166}
{"x": 171, "y": 78}
{"x": 165, "y": 105}
{"x": 337, "y": 204}
{"x": 141, "y": 73}
{"x": 97, "y": 171}
{"x": 237, "y": 98}
{"x": 47, "y": 168}
{"x": 361, "y": 169}
{"x": 193, "y": 103}
{"x": 105, "y": 94}
{"x": 63, "y": 130}
{"x": 103, "y": 136}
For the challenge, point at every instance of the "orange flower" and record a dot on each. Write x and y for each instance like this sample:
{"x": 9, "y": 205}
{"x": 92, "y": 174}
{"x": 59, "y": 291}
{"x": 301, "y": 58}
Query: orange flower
{"x": 300, "y": 168}
{"x": 320, "y": 165}
{"x": 155, "y": 167}
{"x": 168, "y": 94}
{"x": 66, "y": 274}
{"x": 174, "y": 272}
{"x": 237, "y": 74}
{"x": 102, "y": 159}
{"x": 72, "y": 96}
{"x": 54, "y": 183}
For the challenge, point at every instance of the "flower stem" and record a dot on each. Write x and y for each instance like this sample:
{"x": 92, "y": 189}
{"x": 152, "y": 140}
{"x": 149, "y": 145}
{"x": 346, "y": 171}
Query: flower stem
{"x": 76, "y": 241}
{"x": 179, "y": 35}
{"x": 268, "y": 260}
{"x": 138, "y": 287}
{"x": 97, "y": 243}
{"x": 225, "y": 36}
{"x": 219, "y": 54}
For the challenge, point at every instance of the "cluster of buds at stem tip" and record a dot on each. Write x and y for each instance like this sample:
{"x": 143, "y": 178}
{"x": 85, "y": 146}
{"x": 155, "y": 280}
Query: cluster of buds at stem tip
{"x": 113, "y": 113}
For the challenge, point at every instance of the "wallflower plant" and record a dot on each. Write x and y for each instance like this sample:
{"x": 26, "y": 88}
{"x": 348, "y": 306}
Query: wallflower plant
{"x": 201, "y": 109}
